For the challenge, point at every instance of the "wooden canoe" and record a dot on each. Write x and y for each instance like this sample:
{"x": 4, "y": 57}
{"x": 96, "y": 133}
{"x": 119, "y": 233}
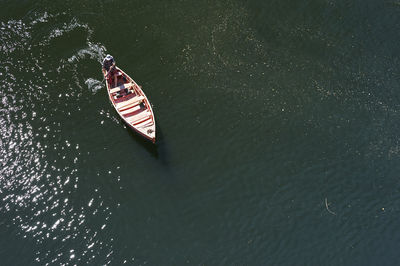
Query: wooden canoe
{"x": 131, "y": 103}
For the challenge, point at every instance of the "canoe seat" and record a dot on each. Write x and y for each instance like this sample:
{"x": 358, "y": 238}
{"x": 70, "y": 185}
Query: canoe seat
{"x": 124, "y": 86}
{"x": 129, "y": 103}
{"x": 138, "y": 118}
{"x": 130, "y": 110}
{"x": 143, "y": 119}
{"x": 145, "y": 123}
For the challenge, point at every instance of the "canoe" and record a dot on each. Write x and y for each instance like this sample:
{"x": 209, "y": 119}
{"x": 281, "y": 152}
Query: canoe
{"x": 131, "y": 103}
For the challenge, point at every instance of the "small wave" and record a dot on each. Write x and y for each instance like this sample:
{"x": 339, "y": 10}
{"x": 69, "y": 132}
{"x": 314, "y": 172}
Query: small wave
{"x": 66, "y": 28}
{"x": 14, "y": 34}
{"x": 93, "y": 51}
{"x": 94, "y": 85}
{"x": 42, "y": 18}
{"x": 40, "y": 87}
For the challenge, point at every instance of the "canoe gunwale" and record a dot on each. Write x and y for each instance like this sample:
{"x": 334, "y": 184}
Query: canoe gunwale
{"x": 150, "y": 125}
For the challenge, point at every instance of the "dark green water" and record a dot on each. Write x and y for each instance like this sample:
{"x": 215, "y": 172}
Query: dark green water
{"x": 278, "y": 133}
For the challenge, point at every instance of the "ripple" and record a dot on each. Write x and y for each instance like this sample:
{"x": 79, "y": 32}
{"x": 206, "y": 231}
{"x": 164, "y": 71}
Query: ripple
{"x": 14, "y": 35}
{"x": 43, "y": 192}
{"x": 94, "y": 85}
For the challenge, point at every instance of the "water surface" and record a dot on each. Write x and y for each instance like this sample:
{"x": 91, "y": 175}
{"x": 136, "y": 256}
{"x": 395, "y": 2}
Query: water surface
{"x": 277, "y": 132}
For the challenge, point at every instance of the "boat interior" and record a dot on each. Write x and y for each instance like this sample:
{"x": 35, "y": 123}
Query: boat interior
{"x": 121, "y": 87}
{"x": 130, "y": 102}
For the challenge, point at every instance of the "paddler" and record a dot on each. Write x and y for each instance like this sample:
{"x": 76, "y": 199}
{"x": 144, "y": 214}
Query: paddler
{"x": 109, "y": 67}
{"x": 109, "y": 64}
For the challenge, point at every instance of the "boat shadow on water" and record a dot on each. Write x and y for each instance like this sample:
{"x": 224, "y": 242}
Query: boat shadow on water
{"x": 156, "y": 150}
{"x": 146, "y": 144}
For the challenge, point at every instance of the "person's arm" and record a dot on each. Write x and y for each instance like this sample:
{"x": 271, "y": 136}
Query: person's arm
{"x": 110, "y": 69}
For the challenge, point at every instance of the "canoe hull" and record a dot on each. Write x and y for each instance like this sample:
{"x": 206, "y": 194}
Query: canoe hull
{"x": 131, "y": 103}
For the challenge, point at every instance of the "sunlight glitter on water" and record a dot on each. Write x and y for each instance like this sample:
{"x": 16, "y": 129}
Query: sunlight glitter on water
{"x": 39, "y": 166}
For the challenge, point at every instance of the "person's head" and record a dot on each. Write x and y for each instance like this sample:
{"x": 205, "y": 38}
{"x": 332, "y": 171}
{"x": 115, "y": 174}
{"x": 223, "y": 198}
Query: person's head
{"x": 109, "y": 58}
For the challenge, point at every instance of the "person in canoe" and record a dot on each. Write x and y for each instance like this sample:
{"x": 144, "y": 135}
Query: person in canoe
{"x": 109, "y": 64}
{"x": 109, "y": 67}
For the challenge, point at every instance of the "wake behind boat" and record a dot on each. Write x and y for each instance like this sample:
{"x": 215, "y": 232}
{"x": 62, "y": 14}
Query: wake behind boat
{"x": 129, "y": 100}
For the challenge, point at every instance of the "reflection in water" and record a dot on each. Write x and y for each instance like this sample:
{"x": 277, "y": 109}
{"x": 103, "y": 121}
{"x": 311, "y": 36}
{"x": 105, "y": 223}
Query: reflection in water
{"x": 40, "y": 182}
{"x": 267, "y": 111}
